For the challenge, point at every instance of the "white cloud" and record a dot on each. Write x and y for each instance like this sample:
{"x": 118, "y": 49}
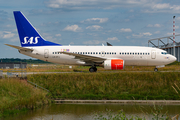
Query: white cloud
{"x": 94, "y": 27}
{"x": 125, "y": 30}
{"x": 169, "y": 34}
{"x": 178, "y": 18}
{"x": 7, "y": 35}
{"x": 74, "y": 28}
{"x": 58, "y": 35}
{"x": 176, "y": 27}
{"x": 95, "y": 20}
{"x": 157, "y": 32}
{"x": 94, "y": 42}
{"x": 155, "y": 25}
{"x": 161, "y": 6}
{"x": 150, "y": 6}
{"x": 140, "y": 35}
{"x": 91, "y": 4}
{"x": 147, "y": 34}
{"x": 113, "y": 39}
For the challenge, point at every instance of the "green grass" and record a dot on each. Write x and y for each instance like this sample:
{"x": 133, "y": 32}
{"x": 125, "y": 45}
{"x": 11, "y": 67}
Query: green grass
{"x": 17, "y": 95}
{"x": 118, "y": 86}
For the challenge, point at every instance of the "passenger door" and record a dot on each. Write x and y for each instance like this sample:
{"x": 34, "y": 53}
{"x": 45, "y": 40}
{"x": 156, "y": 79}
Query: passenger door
{"x": 153, "y": 54}
{"x": 46, "y": 53}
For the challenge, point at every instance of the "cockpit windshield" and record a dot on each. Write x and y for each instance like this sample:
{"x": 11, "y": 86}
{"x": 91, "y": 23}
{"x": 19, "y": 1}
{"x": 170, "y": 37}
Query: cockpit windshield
{"x": 164, "y": 53}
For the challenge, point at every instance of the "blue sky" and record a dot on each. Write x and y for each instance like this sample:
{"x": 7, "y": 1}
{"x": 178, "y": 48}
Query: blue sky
{"x": 89, "y": 22}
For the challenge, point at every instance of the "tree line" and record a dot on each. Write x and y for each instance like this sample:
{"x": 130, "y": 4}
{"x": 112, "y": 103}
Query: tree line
{"x": 28, "y": 61}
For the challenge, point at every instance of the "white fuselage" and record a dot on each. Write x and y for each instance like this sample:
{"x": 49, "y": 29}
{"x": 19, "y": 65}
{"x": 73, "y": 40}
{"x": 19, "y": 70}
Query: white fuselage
{"x": 132, "y": 55}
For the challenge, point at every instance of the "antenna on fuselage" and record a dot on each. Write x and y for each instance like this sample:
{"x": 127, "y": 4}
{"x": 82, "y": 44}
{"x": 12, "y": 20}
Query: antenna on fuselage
{"x": 108, "y": 44}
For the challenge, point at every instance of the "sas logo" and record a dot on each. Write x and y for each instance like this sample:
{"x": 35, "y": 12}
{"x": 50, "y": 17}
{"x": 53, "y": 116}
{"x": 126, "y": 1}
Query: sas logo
{"x": 30, "y": 40}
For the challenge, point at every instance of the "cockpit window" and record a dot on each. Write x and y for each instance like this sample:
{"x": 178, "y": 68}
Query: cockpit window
{"x": 164, "y": 53}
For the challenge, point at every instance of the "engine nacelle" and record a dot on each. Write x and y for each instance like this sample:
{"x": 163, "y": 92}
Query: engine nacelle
{"x": 114, "y": 64}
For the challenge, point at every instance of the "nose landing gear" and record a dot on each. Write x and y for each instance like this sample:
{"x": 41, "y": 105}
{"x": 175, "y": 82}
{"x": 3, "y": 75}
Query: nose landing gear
{"x": 92, "y": 69}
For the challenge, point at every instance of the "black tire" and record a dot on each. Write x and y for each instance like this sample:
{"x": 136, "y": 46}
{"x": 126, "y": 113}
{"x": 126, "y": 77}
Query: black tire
{"x": 155, "y": 69}
{"x": 91, "y": 69}
{"x": 95, "y": 69}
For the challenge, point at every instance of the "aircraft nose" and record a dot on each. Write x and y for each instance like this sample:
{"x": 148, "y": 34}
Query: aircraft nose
{"x": 173, "y": 58}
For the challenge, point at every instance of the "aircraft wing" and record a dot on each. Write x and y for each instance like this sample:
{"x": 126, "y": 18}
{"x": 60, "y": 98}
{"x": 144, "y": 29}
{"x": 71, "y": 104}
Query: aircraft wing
{"x": 20, "y": 48}
{"x": 86, "y": 58}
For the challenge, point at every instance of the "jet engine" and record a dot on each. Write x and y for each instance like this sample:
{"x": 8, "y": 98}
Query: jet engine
{"x": 114, "y": 64}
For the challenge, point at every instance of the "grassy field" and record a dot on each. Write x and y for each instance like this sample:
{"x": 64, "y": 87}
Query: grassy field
{"x": 17, "y": 95}
{"x": 105, "y": 84}
{"x": 109, "y": 85}
{"x": 65, "y": 68}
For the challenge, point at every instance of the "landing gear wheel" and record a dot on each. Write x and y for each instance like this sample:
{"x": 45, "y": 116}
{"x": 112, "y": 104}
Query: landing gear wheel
{"x": 155, "y": 69}
{"x": 92, "y": 69}
{"x": 95, "y": 69}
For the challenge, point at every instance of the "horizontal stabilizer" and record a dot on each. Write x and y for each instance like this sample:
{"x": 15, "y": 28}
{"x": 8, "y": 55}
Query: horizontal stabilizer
{"x": 20, "y": 48}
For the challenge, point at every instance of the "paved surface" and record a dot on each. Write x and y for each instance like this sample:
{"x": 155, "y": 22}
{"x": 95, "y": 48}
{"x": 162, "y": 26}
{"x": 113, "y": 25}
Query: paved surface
{"x": 28, "y": 73}
{"x": 166, "y": 102}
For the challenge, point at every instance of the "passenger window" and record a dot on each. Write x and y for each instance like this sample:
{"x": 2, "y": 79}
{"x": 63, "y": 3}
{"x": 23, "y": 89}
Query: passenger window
{"x": 110, "y": 53}
{"x": 99, "y": 52}
{"x": 120, "y": 53}
{"x": 96, "y": 52}
{"x": 140, "y": 53}
{"x": 133, "y": 53}
{"x": 127, "y": 53}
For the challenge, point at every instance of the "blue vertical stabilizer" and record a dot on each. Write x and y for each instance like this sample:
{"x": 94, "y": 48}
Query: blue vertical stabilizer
{"x": 28, "y": 35}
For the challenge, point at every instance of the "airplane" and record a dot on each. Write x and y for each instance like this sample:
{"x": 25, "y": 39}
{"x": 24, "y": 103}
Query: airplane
{"x": 109, "y": 57}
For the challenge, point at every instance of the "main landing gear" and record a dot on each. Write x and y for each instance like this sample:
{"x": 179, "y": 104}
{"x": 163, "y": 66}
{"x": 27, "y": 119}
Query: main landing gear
{"x": 92, "y": 69}
{"x": 155, "y": 69}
